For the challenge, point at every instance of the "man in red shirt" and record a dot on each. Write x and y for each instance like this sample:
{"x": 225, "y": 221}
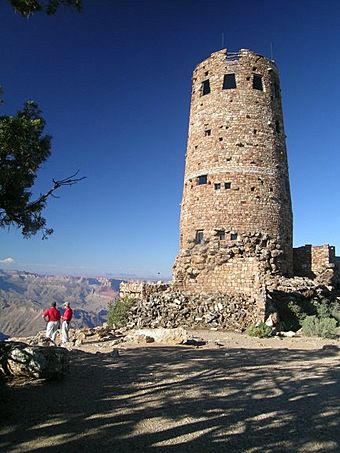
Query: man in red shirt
{"x": 52, "y": 317}
{"x": 66, "y": 319}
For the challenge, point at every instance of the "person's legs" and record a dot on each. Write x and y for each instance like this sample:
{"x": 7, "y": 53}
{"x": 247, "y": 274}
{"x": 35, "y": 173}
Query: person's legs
{"x": 49, "y": 329}
{"x": 54, "y": 330}
{"x": 64, "y": 331}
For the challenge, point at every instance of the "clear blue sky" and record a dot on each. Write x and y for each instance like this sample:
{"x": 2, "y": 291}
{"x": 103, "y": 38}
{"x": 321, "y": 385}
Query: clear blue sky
{"x": 114, "y": 84}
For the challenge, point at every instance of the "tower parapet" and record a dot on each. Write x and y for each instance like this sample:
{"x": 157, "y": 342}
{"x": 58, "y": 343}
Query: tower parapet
{"x": 236, "y": 215}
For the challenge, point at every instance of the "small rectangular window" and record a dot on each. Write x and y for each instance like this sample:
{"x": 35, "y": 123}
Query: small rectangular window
{"x": 229, "y": 81}
{"x": 227, "y": 185}
{"x": 257, "y": 82}
{"x": 207, "y": 132}
{"x": 205, "y": 87}
{"x": 202, "y": 179}
{"x": 217, "y": 186}
{"x": 233, "y": 236}
{"x": 199, "y": 238}
{"x": 221, "y": 235}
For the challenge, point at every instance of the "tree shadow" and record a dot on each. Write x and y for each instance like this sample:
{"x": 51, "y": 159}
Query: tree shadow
{"x": 180, "y": 399}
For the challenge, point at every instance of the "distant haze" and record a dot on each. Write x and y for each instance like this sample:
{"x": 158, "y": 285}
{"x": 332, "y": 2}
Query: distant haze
{"x": 24, "y": 296}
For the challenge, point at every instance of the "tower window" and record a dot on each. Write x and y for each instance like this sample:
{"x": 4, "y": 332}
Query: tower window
{"x": 277, "y": 126}
{"x": 199, "y": 238}
{"x": 229, "y": 81}
{"x": 202, "y": 179}
{"x": 207, "y": 132}
{"x": 227, "y": 185}
{"x": 221, "y": 235}
{"x": 257, "y": 82}
{"x": 233, "y": 236}
{"x": 205, "y": 87}
{"x": 217, "y": 186}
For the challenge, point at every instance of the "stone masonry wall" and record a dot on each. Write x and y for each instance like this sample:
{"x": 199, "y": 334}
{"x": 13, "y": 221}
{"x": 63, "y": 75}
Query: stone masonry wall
{"x": 173, "y": 309}
{"x": 317, "y": 262}
{"x": 140, "y": 289}
{"x": 236, "y": 176}
{"x": 232, "y": 267}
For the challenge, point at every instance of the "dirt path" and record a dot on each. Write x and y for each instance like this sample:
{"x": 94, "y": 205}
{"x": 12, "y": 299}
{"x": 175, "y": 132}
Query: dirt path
{"x": 243, "y": 395}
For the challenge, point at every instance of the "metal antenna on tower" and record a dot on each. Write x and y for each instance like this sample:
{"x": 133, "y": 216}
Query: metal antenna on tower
{"x": 222, "y": 39}
{"x": 271, "y": 51}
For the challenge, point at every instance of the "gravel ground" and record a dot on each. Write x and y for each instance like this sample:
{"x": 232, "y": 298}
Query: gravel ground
{"x": 234, "y": 394}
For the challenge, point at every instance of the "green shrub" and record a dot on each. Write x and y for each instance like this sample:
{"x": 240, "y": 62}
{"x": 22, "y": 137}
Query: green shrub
{"x": 323, "y": 311}
{"x": 293, "y": 311}
{"x": 335, "y": 310}
{"x": 118, "y": 312}
{"x": 297, "y": 311}
{"x": 260, "y": 330}
{"x": 319, "y": 327}
{"x": 296, "y": 314}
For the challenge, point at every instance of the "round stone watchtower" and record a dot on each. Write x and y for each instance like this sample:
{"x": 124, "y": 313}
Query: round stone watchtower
{"x": 236, "y": 216}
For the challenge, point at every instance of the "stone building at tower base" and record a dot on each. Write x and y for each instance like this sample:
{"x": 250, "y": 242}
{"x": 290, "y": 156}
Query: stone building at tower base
{"x": 248, "y": 300}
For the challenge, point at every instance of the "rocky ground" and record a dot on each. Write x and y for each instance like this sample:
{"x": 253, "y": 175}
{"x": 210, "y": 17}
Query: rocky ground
{"x": 220, "y": 392}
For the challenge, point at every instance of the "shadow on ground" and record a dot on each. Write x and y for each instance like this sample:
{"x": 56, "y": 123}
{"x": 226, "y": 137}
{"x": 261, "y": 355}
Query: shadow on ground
{"x": 180, "y": 399}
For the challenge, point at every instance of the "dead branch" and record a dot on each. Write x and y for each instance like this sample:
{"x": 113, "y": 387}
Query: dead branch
{"x": 69, "y": 181}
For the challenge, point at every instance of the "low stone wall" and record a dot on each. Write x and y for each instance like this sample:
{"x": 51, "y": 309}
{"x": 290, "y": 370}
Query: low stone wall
{"x": 172, "y": 309}
{"x": 166, "y": 305}
{"x": 140, "y": 290}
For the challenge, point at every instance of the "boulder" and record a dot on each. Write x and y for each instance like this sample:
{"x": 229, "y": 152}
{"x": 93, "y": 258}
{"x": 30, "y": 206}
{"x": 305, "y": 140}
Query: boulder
{"x": 289, "y": 334}
{"x": 140, "y": 338}
{"x": 20, "y": 359}
{"x": 175, "y": 336}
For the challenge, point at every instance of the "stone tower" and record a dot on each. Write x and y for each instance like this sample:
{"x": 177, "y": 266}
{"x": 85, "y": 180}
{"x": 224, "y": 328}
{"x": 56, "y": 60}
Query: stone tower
{"x": 236, "y": 216}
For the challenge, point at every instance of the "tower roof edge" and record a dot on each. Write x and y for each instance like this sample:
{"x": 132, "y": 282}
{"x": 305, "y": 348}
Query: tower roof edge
{"x": 226, "y": 55}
